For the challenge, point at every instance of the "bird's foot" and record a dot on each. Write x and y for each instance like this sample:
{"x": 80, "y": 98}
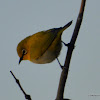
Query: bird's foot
{"x": 59, "y": 63}
{"x": 66, "y": 44}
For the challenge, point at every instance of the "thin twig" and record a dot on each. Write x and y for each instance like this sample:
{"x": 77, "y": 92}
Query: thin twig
{"x": 65, "y": 70}
{"x": 17, "y": 81}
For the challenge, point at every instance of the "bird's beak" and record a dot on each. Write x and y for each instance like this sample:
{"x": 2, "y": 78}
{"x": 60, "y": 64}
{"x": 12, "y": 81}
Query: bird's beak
{"x": 21, "y": 58}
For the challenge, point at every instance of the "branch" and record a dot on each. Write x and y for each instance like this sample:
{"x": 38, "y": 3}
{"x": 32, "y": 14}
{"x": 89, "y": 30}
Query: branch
{"x": 17, "y": 81}
{"x": 71, "y": 46}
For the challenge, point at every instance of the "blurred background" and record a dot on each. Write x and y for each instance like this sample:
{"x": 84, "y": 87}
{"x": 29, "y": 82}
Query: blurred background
{"x": 21, "y": 18}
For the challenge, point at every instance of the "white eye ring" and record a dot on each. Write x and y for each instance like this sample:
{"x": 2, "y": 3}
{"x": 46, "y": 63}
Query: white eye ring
{"x": 24, "y": 51}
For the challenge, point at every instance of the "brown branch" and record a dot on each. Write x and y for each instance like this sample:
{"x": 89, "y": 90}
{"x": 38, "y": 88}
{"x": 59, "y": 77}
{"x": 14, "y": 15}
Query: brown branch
{"x": 65, "y": 70}
{"x": 17, "y": 81}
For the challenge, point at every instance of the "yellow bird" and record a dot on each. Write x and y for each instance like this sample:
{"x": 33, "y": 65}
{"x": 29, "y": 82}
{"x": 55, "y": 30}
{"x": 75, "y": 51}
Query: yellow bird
{"x": 42, "y": 47}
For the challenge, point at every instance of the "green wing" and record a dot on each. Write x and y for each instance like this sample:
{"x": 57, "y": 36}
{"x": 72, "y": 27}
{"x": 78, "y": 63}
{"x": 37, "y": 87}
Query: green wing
{"x": 41, "y": 41}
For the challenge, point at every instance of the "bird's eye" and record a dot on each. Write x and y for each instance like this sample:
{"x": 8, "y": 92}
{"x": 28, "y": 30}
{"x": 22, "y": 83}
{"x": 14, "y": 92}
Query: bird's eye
{"x": 24, "y": 51}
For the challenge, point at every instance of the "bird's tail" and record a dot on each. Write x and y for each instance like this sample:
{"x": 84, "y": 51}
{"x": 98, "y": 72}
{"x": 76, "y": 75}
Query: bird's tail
{"x": 66, "y": 26}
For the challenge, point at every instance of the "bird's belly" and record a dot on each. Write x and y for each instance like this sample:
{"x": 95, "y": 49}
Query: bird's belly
{"x": 48, "y": 56}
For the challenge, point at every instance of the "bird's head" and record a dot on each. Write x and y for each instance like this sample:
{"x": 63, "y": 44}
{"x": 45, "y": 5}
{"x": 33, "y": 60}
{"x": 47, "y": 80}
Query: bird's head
{"x": 23, "y": 50}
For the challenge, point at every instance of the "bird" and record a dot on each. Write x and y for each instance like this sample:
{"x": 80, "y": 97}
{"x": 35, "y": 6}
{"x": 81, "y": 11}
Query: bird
{"x": 42, "y": 47}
